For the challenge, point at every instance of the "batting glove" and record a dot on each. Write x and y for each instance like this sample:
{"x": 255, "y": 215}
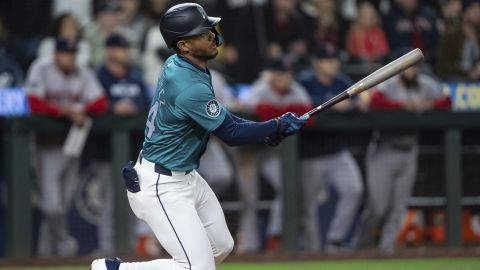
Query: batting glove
{"x": 289, "y": 123}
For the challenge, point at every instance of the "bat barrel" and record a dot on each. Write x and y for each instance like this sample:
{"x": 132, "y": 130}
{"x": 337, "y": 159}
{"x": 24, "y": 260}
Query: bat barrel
{"x": 380, "y": 75}
{"x": 384, "y": 73}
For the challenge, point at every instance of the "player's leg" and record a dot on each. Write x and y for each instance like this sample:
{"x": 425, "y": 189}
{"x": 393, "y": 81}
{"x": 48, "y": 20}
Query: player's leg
{"x": 105, "y": 233}
{"x": 313, "y": 175}
{"x": 403, "y": 185}
{"x": 380, "y": 168}
{"x": 271, "y": 170}
{"x": 68, "y": 245}
{"x": 169, "y": 209}
{"x": 50, "y": 160}
{"x": 345, "y": 176}
{"x": 247, "y": 181}
{"x": 213, "y": 219}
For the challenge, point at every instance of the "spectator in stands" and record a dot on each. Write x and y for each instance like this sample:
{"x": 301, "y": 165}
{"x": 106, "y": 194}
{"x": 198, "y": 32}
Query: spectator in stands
{"x": 285, "y": 29}
{"x": 366, "y": 40}
{"x": 409, "y": 24}
{"x": 451, "y": 15}
{"x": 81, "y": 9}
{"x": 133, "y": 25}
{"x": 323, "y": 24}
{"x": 326, "y": 162}
{"x": 122, "y": 81}
{"x": 106, "y": 22}
{"x": 58, "y": 87}
{"x": 65, "y": 26}
{"x": 274, "y": 93}
{"x": 156, "y": 50}
{"x": 391, "y": 162}
{"x": 244, "y": 39}
{"x": 458, "y": 56}
{"x": 155, "y": 9}
{"x": 127, "y": 95}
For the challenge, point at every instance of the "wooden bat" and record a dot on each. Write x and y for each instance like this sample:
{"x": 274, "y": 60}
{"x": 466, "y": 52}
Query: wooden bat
{"x": 380, "y": 75}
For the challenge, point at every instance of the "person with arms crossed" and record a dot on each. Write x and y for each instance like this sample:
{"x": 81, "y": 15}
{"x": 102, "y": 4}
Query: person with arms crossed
{"x": 164, "y": 188}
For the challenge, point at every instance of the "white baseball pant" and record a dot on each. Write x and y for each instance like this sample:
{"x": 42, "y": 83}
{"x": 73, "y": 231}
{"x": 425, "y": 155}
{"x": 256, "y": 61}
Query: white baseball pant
{"x": 185, "y": 216}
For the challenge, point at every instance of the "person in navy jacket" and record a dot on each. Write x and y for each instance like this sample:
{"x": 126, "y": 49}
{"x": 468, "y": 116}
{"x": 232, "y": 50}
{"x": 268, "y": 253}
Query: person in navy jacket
{"x": 123, "y": 82}
{"x": 127, "y": 95}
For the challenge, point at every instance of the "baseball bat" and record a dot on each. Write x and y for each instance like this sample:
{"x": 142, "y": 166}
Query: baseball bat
{"x": 382, "y": 74}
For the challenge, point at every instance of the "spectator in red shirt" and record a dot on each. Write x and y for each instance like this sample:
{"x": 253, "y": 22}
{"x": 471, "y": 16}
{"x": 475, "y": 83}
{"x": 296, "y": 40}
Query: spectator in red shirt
{"x": 366, "y": 39}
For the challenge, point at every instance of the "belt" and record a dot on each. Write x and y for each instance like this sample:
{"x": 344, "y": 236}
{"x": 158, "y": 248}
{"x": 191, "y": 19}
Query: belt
{"x": 158, "y": 168}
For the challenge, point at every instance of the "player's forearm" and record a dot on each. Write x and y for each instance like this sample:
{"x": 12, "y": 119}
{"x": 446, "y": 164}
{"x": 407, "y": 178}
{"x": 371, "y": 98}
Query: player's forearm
{"x": 41, "y": 106}
{"x": 236, "y": 131}
{"x": 99, "y": 105}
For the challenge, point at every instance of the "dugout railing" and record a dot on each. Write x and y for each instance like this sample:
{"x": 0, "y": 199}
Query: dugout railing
{"x": 17, "y": 132}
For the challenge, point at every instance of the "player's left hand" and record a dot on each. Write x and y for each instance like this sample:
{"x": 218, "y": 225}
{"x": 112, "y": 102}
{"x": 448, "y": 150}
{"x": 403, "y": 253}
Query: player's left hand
{"x": 289, "y": 123}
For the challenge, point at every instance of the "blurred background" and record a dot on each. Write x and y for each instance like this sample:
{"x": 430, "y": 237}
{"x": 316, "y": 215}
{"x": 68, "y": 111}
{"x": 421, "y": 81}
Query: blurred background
{"x": 393, "y": 169}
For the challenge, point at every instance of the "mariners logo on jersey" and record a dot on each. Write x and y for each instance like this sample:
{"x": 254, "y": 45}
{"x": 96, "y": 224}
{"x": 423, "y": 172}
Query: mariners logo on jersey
{"x": 213, "y": 109}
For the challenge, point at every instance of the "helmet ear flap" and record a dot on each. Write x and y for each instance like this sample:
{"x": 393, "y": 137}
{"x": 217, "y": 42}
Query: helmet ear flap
{"x": 218, "y": 36}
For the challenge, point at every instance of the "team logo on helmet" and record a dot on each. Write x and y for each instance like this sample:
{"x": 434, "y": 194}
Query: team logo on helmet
{"x": 213, "y": 108}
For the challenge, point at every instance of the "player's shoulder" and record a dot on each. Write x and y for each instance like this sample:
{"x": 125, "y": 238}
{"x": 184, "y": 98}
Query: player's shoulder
{"x": 42, "y": 62}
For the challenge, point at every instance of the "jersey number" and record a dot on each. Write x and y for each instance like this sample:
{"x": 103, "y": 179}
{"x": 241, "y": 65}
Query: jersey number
{"x": 151, "y": 119}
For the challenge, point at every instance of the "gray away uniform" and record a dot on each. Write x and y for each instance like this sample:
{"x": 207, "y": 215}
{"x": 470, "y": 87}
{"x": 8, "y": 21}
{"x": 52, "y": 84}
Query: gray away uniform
{"x": 267, "y": 161}
{"x": 391, "y": 167}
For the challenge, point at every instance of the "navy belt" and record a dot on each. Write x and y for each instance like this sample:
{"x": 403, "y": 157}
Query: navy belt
{"x": 159, "y": 168}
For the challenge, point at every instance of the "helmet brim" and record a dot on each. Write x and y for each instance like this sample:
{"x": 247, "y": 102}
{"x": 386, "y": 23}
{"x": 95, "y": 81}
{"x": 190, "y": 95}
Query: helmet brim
{"x": 213, "y": 20}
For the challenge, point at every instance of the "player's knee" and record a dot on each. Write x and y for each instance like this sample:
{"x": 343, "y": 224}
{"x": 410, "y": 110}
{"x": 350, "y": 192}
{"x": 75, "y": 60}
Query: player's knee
{"x": 223, "y": 249}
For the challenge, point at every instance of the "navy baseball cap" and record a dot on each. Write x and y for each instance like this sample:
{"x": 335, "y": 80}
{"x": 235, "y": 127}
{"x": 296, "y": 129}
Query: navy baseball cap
{"x": 325, "y": 52}
{"x": 280, "y": 64}
{"x": 117, "y": 40}
{"x": 65, "y": 45}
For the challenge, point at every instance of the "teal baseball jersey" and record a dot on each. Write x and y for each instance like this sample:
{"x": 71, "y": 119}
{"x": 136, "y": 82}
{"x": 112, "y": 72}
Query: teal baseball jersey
{"x": 183, "y": 113}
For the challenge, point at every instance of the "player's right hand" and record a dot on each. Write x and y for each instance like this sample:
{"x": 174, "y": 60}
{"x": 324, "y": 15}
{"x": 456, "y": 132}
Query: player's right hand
{"x": 289, "y": 123}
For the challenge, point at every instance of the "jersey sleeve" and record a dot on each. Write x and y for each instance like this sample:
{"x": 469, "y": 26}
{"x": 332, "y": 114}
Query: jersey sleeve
{"x": 199, "y": 103}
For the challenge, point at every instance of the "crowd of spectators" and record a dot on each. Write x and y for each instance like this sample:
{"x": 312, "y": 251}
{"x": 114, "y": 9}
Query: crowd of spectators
{"x": 108, "y": 54}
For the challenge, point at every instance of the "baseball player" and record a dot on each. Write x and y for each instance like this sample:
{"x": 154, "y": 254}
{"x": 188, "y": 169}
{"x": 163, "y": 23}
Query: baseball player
{"x": 326, "y": 160}
{"x": 58, "y": 87}
{"x": 391, "y": 161}
{"x": 164, "y": 188}
{"x": 273, "y": 93}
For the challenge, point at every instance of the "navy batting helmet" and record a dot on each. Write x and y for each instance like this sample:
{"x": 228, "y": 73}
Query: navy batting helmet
{"x": 185, "y": 20}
